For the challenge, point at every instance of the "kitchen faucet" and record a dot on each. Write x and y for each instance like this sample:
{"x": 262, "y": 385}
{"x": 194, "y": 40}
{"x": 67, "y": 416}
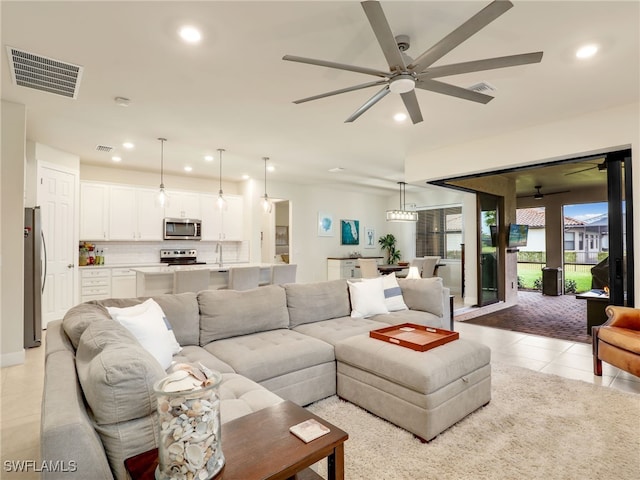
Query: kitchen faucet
{"x": 219, "y": 252}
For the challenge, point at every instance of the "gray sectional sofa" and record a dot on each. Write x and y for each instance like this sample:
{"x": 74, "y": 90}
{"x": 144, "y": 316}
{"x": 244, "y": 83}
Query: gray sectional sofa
{"x": 271, "y": 343}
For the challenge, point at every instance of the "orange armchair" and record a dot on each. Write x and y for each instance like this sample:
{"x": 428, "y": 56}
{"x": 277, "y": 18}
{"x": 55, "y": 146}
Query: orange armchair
{"x": 617, "y": 341}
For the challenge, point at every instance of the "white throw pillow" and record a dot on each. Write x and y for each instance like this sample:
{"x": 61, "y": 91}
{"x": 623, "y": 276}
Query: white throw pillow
{"x": 149, "y": 325}
{"x": 367, "y": 298}
{"x": 392, "y": 293}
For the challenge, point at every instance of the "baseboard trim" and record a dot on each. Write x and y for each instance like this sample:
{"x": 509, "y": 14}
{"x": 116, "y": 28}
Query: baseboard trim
{"x": 14, "y": 358}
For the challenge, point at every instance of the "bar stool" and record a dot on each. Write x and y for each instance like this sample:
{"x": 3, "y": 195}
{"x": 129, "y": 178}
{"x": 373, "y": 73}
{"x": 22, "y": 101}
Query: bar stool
{"x": 243, "y": 278}
{"x": 368, "y": 267}
{"x": 283, "y": 273}
{"x": 190, "y": 280}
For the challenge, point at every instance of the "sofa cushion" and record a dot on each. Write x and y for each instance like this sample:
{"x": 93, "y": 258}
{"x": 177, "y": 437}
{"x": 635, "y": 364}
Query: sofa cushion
{"x": 367, "y": 297}
{"x": 392, "y": 293}
{"x": 229, "y": 313}
{"x": 116, "y": 373}
{"x": 147, "y": 322}
{"x": 425, "y": 294}
{"x": 336, "y": 329}
{"x": 313, "y": 302}
{"x": 195, "y": 355}
{"x": 79, "y": 317}
{"x": 410, "y": 316}
{"x": 264, "y": 355}
{"x": 240, "y": 396}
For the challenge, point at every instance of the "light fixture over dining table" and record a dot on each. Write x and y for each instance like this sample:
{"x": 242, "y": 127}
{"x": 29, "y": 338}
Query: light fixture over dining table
{"x": 402, "y": 214}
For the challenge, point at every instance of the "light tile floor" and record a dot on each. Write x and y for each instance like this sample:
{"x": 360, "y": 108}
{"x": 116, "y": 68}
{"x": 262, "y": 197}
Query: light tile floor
{"x": 21, "y": 385}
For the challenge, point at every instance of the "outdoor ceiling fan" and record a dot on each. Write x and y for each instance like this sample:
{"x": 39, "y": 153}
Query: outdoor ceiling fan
{"x": 406, "y": 74}
{"x": 539, "y": 195}
{"x": 600, "y": 166}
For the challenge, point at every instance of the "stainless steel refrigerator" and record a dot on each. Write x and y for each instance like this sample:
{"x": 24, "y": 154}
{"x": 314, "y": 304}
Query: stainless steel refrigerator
{"x": 34, "y": 254}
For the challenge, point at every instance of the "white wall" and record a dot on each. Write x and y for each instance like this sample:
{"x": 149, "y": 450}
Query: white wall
{"x": 595, "y": 132}
{"x": 12, "y": 180}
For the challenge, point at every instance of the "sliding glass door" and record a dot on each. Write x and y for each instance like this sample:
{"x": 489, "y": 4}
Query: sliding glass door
{"x": 488, "y": 260}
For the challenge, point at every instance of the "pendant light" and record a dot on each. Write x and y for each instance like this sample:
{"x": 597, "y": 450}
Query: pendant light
{"x": 402, "y": 215}
{"x": 221, "y": 202}
{"x": 163, "y": 199}
{"x": 267, "y": 205}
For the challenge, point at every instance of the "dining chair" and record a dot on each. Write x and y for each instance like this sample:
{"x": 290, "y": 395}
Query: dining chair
{"x": 283, "y": 273}
{"x": 429, "y": 266}
{"x": 190, "y": 280}
{"x": 368, "y": 267}
{"x": 244, "y": 278}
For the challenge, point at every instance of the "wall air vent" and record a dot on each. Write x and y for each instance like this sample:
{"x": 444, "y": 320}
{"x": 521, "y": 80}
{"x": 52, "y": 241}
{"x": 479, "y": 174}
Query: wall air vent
{"x": 44, "y": 74}
{"x": 482, "y": 87}
{"x": 104, "y": 148}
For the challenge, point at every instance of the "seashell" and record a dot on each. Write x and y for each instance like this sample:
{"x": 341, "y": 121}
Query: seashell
{"x": 176, "y": 448}
{"x": 163, "y": 407}
{"x": 179, "y": 458}
{"x": 177, "y": 401}
{"x": 202, "y": 428}
{"x": 195, "y": 456}
{"x": 203, "y": 474}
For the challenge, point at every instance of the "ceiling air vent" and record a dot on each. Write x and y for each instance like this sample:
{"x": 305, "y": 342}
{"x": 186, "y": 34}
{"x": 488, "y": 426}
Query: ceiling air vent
{"x": 104, "y": 148}
{"x": 482, "y": 87}
{"x": 44, "y": 74}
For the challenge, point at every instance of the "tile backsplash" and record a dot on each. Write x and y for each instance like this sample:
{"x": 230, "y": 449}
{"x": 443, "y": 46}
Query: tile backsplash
{"x": 140, "y": 253}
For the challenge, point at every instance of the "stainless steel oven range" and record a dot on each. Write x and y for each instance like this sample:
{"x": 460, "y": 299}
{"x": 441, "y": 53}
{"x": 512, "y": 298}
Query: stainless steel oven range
{"x": 176, "y": 256}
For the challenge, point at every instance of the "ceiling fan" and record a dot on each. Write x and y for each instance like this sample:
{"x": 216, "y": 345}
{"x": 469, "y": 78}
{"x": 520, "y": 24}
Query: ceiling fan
{"x": 405, "y": 74}
{"x": 539, "y": 195}
{"x": 600, "y": 166}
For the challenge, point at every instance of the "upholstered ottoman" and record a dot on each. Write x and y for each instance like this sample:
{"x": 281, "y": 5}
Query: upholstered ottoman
{"x": 422, "y": 392}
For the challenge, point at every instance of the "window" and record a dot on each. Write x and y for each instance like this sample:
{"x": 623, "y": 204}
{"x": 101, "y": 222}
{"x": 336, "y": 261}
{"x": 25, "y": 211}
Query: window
{"x": 569, "y": 241}
{"x": 439, "y": 232}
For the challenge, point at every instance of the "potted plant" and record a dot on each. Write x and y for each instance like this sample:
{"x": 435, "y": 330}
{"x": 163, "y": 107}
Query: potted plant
{"x": 388, "y": 242}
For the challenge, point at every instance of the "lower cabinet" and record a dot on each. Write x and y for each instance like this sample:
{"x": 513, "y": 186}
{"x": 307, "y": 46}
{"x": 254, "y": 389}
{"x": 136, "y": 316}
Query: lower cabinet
{"x": 123, "y": 283}
{"x": 95, "y": 284}
{"x": 345, "y": 267}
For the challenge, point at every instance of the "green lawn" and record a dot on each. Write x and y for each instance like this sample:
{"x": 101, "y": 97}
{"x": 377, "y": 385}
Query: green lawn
{"x": 529, "y": 275}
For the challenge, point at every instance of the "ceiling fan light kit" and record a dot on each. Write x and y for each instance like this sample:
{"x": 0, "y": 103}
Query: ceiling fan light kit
{"x": 406, "y": 74}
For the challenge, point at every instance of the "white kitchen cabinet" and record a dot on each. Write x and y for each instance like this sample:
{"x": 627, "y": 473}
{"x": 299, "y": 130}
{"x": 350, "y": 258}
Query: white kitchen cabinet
{"x": 95, "y": 284}
{"x": 123, "y": 283}
{"x": 94, "y": 211}
{"x": 226, "y": 225}
{"x": 183, "y": 205}
{"x": 133, "y": 214}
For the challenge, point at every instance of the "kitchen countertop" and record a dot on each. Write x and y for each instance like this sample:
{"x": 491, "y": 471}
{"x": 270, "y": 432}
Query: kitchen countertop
{"x": 214, "y": 267}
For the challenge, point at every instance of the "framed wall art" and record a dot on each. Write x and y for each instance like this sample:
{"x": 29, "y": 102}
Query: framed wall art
{"x": 325, "y": 224}
{"x": 350, "y": 232}
{"x": 369, "y": 237}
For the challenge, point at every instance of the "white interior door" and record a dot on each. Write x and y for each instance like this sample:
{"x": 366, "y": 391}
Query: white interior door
{"x": 57, "y": 198}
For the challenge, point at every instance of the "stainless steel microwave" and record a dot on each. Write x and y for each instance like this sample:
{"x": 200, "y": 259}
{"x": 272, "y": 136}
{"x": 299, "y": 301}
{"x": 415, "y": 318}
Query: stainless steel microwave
{"x": 182, "y": 229}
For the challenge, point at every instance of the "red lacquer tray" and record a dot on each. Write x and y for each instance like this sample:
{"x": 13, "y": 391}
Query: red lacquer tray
{"x": 415, "y": 337}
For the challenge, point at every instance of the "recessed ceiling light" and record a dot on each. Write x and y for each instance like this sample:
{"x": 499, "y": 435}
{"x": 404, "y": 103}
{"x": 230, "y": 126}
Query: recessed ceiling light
{"x": 128, "y": 145}
{"x": 400, "y": 117}
{"x": 587, "y": 51}
{"x": 122, "y": 101}
{"x": 245, "y": 177}
{"x": 208, "y": 158}
{"x": 336, "y": 169}
{"x": 190, "y": 34}
{"x": 116, "y": 159}
{"x": 271, "y": 168}
{"x": 188, "y": 168}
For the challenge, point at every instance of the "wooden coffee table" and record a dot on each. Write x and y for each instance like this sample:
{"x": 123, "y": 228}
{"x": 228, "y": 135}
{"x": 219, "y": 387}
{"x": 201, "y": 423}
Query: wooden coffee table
{"x": 260, "y": 446}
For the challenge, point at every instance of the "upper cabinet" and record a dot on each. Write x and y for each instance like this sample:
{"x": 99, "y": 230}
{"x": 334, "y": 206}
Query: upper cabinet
{"x": 183, "y": 205}
{"x": 94, "y": 211}
{"x": 134, "y": 214}
{"x": 232, "y": 219}
{"x": 222, "y": 225}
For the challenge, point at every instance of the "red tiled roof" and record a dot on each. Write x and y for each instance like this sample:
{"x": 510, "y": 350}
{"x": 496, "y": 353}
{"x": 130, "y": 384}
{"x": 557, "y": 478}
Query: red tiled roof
{"x": 534, "y": 217}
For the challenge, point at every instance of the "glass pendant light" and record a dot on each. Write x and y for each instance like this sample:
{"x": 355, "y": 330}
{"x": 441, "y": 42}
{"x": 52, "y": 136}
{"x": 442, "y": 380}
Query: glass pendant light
{"x": 221, "y": 201}
{"x": 162, "y": 199}
{"x": 267, "y": 205}
{"x": 402, "y": 215}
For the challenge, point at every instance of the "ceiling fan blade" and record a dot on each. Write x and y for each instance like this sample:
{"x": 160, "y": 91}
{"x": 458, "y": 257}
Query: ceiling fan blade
{"x": 342, "y": 90}
{"x": 368, "y": 104}
{"x": 452, "y": 90}
{"x": 339, "y": 66}
{"x": 411, "y": 103}
{"x": 481, "y": 65}
{"x": 383, "y": 33}
{"x": 476, "y": 23}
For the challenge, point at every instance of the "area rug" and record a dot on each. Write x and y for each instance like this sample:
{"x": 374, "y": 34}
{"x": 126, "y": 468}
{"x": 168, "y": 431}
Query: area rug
{"x": 562, "y": 317}
{"x": 537, "y": 426}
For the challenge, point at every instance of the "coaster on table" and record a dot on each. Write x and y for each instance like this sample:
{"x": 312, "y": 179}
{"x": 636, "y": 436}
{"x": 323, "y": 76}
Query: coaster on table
{"x": 309, "y": 430}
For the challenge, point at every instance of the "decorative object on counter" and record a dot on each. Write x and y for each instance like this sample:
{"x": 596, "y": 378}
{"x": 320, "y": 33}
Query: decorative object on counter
{"x": 83, "y": 259}
{"x": 388, "y": 242}
{"x": 163, "y": 198}
{"x": 350, "y": 232}
{"x": 402, "y": 214}
{"x": 190, "y": 446}
{"x": 355, "y": 254}
{"x": 221, "y": 202}
{"x": 325, "y": 224}
{"x": 267, "y": 205}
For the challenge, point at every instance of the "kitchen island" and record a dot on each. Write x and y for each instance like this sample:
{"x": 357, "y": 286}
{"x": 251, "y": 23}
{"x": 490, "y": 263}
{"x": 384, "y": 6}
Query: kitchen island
{"x": 159, "y": 279}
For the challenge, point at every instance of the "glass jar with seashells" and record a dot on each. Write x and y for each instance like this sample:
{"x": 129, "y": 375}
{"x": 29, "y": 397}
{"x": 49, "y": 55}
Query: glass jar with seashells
{"x": 190, "y": 446}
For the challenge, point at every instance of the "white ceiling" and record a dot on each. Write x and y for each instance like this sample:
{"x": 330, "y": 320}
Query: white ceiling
{"x": 234, "y": 91}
